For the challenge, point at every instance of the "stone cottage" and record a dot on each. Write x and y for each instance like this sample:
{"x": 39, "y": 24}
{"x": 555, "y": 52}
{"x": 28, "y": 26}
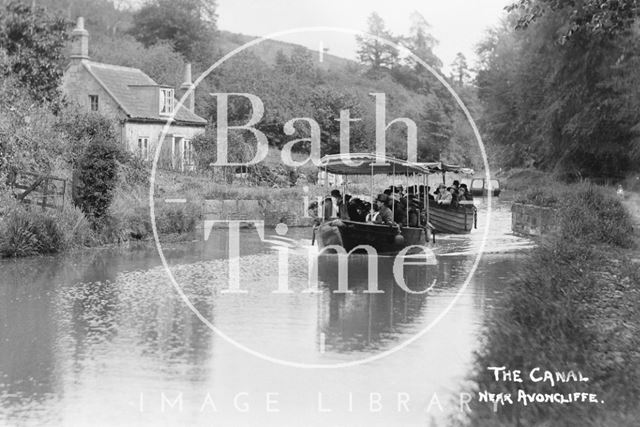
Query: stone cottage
{"x": 139, "y": 105}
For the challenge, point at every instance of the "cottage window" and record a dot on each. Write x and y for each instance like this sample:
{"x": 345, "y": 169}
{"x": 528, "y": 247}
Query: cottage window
{"x": 166, "y": 101}
{"x": 93, "y": 101}
{"x": 143, "y": 148}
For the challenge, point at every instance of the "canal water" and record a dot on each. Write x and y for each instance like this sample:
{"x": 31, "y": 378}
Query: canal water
{"x": 104, "y": 338}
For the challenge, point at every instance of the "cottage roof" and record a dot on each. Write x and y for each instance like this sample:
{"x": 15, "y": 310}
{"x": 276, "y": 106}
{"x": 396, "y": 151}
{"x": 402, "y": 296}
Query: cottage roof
{"x": 121, "y": 83}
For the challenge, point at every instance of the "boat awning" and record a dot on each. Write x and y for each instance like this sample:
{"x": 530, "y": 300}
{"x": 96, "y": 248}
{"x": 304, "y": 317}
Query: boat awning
{"x": 367, "y": 163}
{"x": 443, "y": 167}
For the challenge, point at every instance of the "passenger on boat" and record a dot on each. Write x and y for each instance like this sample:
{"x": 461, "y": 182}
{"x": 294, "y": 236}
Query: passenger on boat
{"x": 357, "y": 210}
{"x": 421, "y": 192}
{"x": 464, "y": 194}
{"x": 443, "y": 196}
{"x": 400, "y": 211}
{"x": 385, "y": 216}
{"x": 343, "y": 212}
{"x": 373, "y": 216}
{"x": 414, "y": 211}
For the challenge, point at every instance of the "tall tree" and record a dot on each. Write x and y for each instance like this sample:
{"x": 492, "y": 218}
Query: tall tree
{"x": 372, "y": 51}
{"x": 460, "y": 69}
{"x": 422, "y": 43}
{"x": 34, "y": 41}
{"x": 188, "y": 24}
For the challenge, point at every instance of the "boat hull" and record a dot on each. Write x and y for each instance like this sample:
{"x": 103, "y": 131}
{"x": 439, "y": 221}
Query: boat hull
{"x": 450, "y": 220}
{"x": 383, "y": 238}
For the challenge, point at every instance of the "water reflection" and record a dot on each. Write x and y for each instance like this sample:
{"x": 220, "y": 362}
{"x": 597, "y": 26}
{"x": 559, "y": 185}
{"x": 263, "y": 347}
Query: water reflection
{"x": 363, "y": 320}
{"x": 85, "y": 336}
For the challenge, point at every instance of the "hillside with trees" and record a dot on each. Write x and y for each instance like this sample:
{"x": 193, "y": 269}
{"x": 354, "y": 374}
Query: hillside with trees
{"x": 161, "y": 35}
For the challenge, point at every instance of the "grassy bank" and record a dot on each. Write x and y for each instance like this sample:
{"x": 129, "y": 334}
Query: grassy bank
{"x": 573, "y": 305}
{"x": 26, "y": 231}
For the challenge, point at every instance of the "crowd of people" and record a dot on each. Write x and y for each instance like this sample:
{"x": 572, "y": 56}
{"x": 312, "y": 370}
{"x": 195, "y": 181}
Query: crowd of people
{"x": 395, "y": 205}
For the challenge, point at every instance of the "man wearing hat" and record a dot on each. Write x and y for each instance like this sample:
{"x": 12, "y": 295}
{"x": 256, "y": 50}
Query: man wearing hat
{"x": 384, "y": 216}
{"x": 443, "y": 197}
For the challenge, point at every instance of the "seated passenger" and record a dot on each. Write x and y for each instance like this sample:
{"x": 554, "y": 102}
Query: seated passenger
{"x": 385, "y": 216}
{"x": 400, "y": 211}
{"x": 454, "y": 196}
{"x": 338, "y": 200}
{"x": 373, "y": 216}
{"x": 443, "y": 197}
{"x": 357, "y": 210}
{"x": 464, "y": 194}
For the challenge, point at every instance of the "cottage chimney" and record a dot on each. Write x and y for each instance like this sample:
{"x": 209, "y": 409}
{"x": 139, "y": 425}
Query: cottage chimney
{"x": 79, "y": 42}
{"x": 189, "y": 102}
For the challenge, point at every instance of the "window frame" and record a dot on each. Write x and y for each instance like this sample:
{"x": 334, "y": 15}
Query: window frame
{"x": 93, "y": 98}
{"x": 166, "y": 99}
{"x": 143, "y": 149}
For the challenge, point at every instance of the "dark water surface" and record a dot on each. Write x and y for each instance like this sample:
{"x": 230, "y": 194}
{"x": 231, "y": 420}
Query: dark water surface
{"x": 104, "y": 339}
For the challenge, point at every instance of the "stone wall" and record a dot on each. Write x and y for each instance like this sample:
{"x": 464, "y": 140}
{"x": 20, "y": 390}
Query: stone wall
{"x": 272, "y": 212}
{"x": 531, "y": 220}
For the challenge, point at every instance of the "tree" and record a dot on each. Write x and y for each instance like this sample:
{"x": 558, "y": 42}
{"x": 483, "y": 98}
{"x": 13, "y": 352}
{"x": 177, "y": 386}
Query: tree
{"x": 326, "y": 104}
{"x": 159, "y": 61}
{"x": 460, "y": 69}
{"x": 188, "y": 24}
{"x": 34, "y": 41}
{"x": 599, "y": 17}
{"x": 564, "y": 105}
{"x": 422, "y": 43}
{"x": 372, "y": 51}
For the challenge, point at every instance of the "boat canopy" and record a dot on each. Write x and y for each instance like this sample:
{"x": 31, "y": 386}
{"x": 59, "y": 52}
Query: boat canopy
{"x": 443, "y": 167}
{"x": 367, "y": 163}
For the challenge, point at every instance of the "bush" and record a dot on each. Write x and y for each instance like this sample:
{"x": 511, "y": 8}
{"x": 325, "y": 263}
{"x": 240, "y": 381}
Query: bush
{"x": 176, "y": 219}
{"x": 75, "y": 228}
{"x": 97, "y": 175}
{"x": 593, "y": 215}
{"x": 25, "y": 232}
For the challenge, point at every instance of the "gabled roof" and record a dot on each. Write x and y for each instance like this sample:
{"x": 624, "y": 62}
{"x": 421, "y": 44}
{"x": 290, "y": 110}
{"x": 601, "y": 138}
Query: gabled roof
{"x": 121, "y": 82}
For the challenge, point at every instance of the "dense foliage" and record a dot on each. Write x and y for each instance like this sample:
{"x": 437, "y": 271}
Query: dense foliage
{"x": 560, "y": 92}
{"x": 188, "y": 24}
{"x": 33, "y": 41}
{"x": 97, "y": 177}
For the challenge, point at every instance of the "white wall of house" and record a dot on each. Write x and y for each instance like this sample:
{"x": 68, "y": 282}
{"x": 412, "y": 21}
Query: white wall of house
{"x": 175, "y": 144}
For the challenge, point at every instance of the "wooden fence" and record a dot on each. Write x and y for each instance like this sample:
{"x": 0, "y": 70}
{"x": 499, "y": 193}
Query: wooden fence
{"x": 45, "y": 191}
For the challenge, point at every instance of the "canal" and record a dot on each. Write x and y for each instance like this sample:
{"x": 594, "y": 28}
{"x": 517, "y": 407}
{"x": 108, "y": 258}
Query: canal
{"x": 103, "y": 338}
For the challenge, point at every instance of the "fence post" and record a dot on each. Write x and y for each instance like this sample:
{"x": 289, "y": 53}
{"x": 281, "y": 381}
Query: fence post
{"x": 45, "y": 192}
{"x": 64, "y": 192}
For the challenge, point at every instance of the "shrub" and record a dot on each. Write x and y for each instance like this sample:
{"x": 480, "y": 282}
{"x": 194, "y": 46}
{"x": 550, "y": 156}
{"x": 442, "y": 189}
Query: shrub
{"x": 18, "y": 236}
{"x": 176, "y": 219}
{"x": 97, "y": 174}
{"x": 75, "y": 228}
{"x": 25, "y": 232}
{"x": 595, "y": 216}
